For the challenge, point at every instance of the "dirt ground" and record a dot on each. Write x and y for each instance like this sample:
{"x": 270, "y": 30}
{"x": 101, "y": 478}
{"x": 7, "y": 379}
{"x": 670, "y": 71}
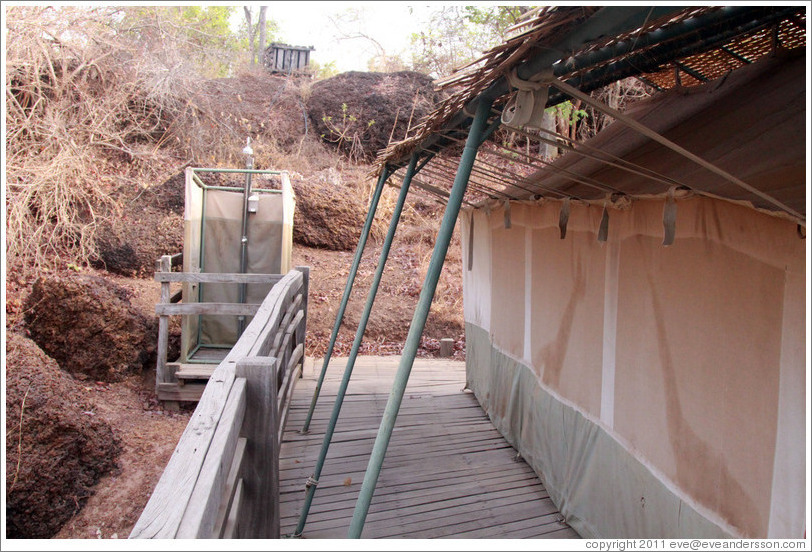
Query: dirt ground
{"x": 394, "y": 305}
{"x": 57, "y": 447}
{"x": 147, "y": 434}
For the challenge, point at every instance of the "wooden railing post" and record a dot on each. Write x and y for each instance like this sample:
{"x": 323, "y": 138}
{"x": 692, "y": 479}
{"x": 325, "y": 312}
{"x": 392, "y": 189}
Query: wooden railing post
{"x": 164, "y": 264}
{"x": 259, "y": 517}
{"x": 302, "y": 331}
{"x": 209, "y": 497}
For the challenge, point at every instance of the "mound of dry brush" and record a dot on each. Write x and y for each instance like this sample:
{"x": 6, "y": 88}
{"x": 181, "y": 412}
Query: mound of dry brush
{"x": 87, "y": 324}
{"x": 57, "y": 448}
{"x": 361, "y": 112}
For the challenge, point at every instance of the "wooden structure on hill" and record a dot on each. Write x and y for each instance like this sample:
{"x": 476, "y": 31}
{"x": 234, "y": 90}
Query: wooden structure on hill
{"x": 287, "y": 59}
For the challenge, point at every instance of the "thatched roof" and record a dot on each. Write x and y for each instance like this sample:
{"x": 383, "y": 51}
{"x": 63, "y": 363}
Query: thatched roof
{"x": 666, "y": 48}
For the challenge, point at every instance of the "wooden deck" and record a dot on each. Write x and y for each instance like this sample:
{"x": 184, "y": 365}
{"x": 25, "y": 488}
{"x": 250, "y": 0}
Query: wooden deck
{"x": 447, "y": 473}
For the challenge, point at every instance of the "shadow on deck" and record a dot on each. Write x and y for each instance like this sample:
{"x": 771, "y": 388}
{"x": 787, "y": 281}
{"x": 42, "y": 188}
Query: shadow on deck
{"x": 447, "y": 472}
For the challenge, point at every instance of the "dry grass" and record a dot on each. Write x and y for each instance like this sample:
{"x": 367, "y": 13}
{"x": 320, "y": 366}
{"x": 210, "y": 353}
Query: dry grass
{"x": 95, "y": 115}
{"x": 82, "y": 112}
{"x": 417, "y": 233}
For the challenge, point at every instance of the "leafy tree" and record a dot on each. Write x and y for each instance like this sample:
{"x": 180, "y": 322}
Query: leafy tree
{"x": 209, "y": 23}
{"x": 262, "y": 29}
{"x": 498, "y": 19}
{"x": 455, "y": 35}
{"x": 323, "y": 70}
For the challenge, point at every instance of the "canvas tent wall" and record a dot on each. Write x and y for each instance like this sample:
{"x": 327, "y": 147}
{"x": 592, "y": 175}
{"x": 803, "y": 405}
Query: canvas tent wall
{"x": 659, "y": 391}
{"x": 552, "y": 377}
{"x": 212, "y": 243}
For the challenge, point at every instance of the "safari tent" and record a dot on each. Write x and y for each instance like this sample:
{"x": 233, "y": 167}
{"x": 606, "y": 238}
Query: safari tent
{"x": 635, "y": 309}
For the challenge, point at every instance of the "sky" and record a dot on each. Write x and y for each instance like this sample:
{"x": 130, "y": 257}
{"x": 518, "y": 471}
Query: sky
{"x": 309, "y": 24}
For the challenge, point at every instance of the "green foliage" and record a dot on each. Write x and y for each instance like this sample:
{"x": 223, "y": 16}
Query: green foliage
{"x": 496, "y": 18}
{"x": 323, "y": 70}
{"x": 566, "y": 112}
{"x": 203, "y": 26}
{"x": 456, "y": 35}
{"x": 201, "y": 34}
{"x": 211, "y": 22}
{"x": 347, "y": 132}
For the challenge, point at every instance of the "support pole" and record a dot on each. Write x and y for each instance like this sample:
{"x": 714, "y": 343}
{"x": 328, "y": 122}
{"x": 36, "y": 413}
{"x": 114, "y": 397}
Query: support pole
{"x": 249, "y": 164}
{"x": 420, "y": 315}
{"x": 359, "y": 251}
{"x": 310, "y": 489}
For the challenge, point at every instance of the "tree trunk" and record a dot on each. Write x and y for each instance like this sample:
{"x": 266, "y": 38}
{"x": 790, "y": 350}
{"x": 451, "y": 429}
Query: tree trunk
{"x": 263, "y": 36}
{"x": 576, "y": 105}
{"x": 251, "y": 33}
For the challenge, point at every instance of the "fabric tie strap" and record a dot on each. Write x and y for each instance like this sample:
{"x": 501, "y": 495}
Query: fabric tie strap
{"x": 670, "y": 217}
{"x": 564, "y": 217}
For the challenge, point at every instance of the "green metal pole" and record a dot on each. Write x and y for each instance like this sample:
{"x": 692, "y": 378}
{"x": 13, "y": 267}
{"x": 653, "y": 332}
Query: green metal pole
{"x": 310, "y": 489}
{"x": 419, "y": 320}
{"x": 250, "y": 171}
{"x": 359, "y": 251}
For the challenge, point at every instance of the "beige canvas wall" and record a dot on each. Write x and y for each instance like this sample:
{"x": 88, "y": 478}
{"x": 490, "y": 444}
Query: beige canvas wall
{"x": 507, "y": 305}
{"x": 476, "y": 282}
{"x": 567, "y": 306}
{"x": 192, "y": 215}
{"x": 682, "y": 353}
{"x": 268, "y": 252}
{"x": 223, "y": 228}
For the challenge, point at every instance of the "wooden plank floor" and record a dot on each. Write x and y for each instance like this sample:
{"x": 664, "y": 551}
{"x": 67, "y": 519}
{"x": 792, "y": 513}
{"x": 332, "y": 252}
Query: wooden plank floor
{"x": 447, "y": 472}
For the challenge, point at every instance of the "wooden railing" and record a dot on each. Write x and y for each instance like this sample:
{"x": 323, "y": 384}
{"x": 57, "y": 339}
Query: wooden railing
{"x": 167, "y": 384}
{"x": 223, "y": 478}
